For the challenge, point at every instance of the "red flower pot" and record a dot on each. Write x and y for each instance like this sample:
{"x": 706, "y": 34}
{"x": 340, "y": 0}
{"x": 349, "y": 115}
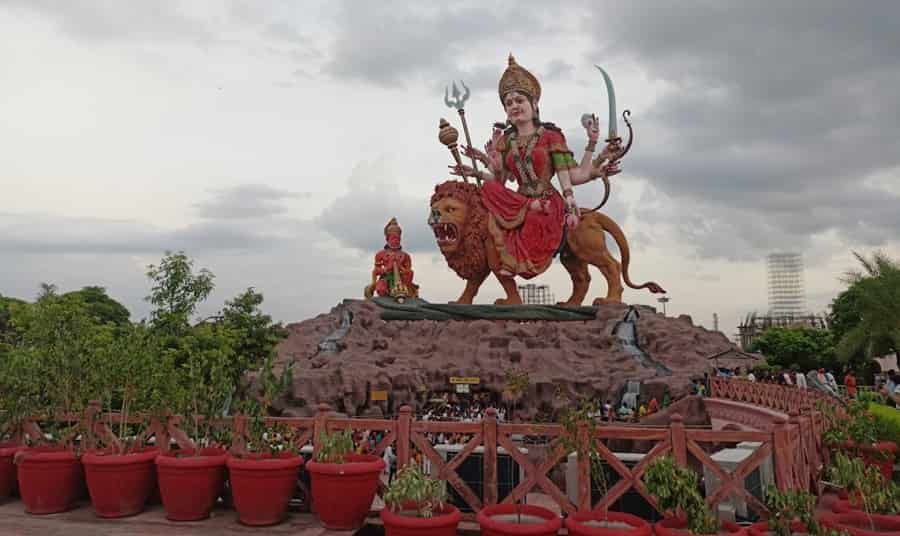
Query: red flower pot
{"x": 442, "y": 523}
{"x": 590, "y": 524}
{"x": 50, "y": 479}
{"x": 119, "y": 484}
{"x": 861, "y": 524}
{"x": 501, "y": 520}
{"x": 761, "y": 528}
{"x": 342, "y": 493}
{"x": 7, "y": 469}
{"x": 262, "y": 486}
{"x": 675, "y": 526}
{"x": 190, "y": 482}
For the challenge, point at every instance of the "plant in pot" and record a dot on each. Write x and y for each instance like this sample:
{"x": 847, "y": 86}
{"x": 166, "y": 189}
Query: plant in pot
{"x": 263, "y": 471}
{"x": 57, "y": 335}
{"x": 416, "y": 505}
{"x": 677, "y": 491}
{"x": 15, "y": 408}
{"x": 577, "y": 420}
{"x": 343, "y": 482}
{"x": 129, "y": 376}
{"x": 873, "y": 505}
{"x": 791, "y": 512}
{"x": 856, "y": 432}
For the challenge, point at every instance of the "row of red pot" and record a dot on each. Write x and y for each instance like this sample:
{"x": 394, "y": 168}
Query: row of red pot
{"x": 52, "y": 480}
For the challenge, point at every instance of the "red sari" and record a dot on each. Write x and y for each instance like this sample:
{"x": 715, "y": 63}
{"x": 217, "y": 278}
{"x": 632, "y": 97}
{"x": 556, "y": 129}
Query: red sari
{"x": 527, "y": 238}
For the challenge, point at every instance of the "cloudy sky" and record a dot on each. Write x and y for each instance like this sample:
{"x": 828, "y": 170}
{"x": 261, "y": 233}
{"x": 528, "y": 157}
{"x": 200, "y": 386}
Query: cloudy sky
{"x": 271, "y": 141}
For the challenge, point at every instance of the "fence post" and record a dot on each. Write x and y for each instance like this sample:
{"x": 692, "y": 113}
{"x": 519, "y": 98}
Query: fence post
{"x": 403, "y": 436}
{"x": 239, "y": 433}
{"x": 88, "y": 420}
{"x": 489, "y": 475}
{"x": 801, "y": 464}
{"x": 320, "y": 425}
{"x": 584, "y": 467}
{"x": 781, "y": 446}
{"x": 679, "y": 440}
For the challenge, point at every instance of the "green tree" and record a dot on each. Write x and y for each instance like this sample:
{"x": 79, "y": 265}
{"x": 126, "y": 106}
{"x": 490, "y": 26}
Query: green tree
{"x": 807, "y": 348}
{"x": 256, "y": 336}
{"x": 7, "y": 331}
{"x": 104, "y": 308}
{"x": 176, "y": 293}
{"x": 876, "y": 296}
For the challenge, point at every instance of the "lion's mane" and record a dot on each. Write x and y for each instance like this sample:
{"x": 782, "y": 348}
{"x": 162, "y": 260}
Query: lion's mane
{"x": 469, "y": 261}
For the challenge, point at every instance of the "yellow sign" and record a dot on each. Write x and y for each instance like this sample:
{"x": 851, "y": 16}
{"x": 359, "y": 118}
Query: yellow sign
{"x": 470, "y": 380}
{"x": 379, "y": 396}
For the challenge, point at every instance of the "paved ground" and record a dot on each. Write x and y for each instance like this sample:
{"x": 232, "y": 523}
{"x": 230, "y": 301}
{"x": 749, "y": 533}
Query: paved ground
{"x": 82, "y": 522}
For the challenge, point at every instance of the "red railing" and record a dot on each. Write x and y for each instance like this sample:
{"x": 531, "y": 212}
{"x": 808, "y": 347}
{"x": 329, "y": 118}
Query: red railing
{"x": 793, "y": 444}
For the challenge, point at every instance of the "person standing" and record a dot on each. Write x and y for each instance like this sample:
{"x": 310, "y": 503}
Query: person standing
{"x": 850, "y": 384}
{"x": 800, "y": 379}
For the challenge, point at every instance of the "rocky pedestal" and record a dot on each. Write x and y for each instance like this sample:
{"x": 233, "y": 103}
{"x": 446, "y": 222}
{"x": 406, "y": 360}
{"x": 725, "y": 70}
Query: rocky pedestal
{"x": 343, "y": 356}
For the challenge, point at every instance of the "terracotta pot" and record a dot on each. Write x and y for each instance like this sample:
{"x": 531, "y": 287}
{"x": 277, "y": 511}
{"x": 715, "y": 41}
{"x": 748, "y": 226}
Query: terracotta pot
{"x": 675, "y": 526}
{"x": 262, "y": 486}
{"x": 119, "y": 484}
{"x": 577, "y": 524}
{"x": 342, "y": 493}
{"x": 861, "y": 524}
{"x": 442, "y": 523}
{"x": 50, "y": 479}
{"x": 8, "y": 469}
{"x": 761, "y": 528}
{"x": 190, "y": 482}
{"x": 500, "y": 520}
{"x": 880, "y": 455}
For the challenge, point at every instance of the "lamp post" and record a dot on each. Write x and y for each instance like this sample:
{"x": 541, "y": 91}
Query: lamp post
{"x": 663, "y": 300}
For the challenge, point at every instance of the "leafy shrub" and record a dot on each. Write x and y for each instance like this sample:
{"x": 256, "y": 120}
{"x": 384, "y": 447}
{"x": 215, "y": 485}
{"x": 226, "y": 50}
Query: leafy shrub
{"x": 334, "y": 447}
{"x": 887, "y": 422}
{"x": 677, "y": 489}
{"x": 411, "y": 485}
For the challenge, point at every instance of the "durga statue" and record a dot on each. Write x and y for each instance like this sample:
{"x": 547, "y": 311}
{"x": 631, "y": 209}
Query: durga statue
{"x": 489, "y": 228}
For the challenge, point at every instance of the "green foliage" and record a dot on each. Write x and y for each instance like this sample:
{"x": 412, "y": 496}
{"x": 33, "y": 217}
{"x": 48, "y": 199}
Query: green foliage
{"x": 576, "y": 416}
{"x": 856, "y": 424}
{"x": 677, "y": 489}
{"x": 256, "y": 336}
{"x": 887, "y": 422}
{"x": 8, "y": 334}
{"x": 335, "y": 446}
{"x": 789, "y": 506}
{"x": 517, "y": 384}
{"x": 49, "y": 370}
{"x": 866, "y": 483}
{"x": 807, "y": 348}
{"x": 176, "y": 292}
{"x": 874, "y": 327}
{"x": 411, "y": 485}
{"x": 264, "y": 436}
{"x": 101, "y": 306}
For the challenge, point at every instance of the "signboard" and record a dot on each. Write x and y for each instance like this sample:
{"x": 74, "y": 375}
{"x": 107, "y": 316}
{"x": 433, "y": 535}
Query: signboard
{"x": 467, "y": 380}
{"x": 462, "y": 387}
{"x": 377, "y": 396}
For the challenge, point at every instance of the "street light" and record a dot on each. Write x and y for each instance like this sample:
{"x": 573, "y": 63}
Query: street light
{"x": 664, "y": 300}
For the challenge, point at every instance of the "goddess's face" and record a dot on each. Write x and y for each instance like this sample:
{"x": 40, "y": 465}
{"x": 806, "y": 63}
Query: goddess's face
{"x": 518, "y": 107}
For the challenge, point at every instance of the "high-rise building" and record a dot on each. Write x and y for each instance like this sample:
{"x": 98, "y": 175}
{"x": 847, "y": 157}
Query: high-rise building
{"x": 536, "y": 294}
{"x": 786, "y": 295}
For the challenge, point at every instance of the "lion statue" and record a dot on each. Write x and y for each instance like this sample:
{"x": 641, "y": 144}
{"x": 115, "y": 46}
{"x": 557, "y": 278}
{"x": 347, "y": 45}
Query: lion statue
{"x": 459, "y": 221}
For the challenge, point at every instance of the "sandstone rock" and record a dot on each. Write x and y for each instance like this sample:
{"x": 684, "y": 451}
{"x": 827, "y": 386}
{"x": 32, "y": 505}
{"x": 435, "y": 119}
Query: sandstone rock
{"x": 411, "y": 359}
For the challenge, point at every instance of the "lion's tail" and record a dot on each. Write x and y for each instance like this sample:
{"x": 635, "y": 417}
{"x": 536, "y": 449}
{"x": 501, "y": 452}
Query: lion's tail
{"x": 613, "y": 229}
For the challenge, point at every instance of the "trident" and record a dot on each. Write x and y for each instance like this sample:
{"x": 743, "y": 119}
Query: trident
{"x": 458, "y": 102}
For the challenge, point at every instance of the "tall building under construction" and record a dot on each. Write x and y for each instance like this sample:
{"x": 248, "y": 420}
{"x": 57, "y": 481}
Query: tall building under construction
{"x": 786, "y": 295}
{"x": 536, "y": 294}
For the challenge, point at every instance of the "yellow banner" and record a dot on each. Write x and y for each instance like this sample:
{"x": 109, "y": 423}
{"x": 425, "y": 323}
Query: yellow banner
{"x": 470, "y": 380}
{"x": 379, "y": 396}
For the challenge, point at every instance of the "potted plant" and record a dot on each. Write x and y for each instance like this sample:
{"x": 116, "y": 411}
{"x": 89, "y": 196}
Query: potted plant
{"x": 677, "y": 490}
{"x": 14, "y": 409}
{"x": 577, "y": 420}
{"x": 857, "y": 433}
{"x": 416, "y": 505}
{"x": 343, "y": 483}
{"x": 57, "y": 336}
{"x": 263, "y": 473}
{"x": 192, "y": 479}
{"x": 791, "y": 512}
{"x": 873, "y": 504}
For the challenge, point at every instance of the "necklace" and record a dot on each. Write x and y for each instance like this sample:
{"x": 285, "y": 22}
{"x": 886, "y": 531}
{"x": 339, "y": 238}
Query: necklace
{"x": 531, "y": 185}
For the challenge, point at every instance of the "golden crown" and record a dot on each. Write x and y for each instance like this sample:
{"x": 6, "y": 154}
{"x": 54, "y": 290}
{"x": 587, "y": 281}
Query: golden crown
{"x": 517, "y": 78}
{"x": 392, "y": 227}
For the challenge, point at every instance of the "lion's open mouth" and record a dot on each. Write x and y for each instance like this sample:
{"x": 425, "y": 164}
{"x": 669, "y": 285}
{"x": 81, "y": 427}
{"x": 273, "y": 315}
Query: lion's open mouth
{"x": 445, "y": 233}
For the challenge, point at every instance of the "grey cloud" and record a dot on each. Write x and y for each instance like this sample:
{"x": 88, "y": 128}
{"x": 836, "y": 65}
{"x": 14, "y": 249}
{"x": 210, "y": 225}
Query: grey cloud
{"x": 357, "y": 218}
{"x": 393, "y": 43}
{"x": 773, "y": 118}
{"x": 246, "y": 201}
